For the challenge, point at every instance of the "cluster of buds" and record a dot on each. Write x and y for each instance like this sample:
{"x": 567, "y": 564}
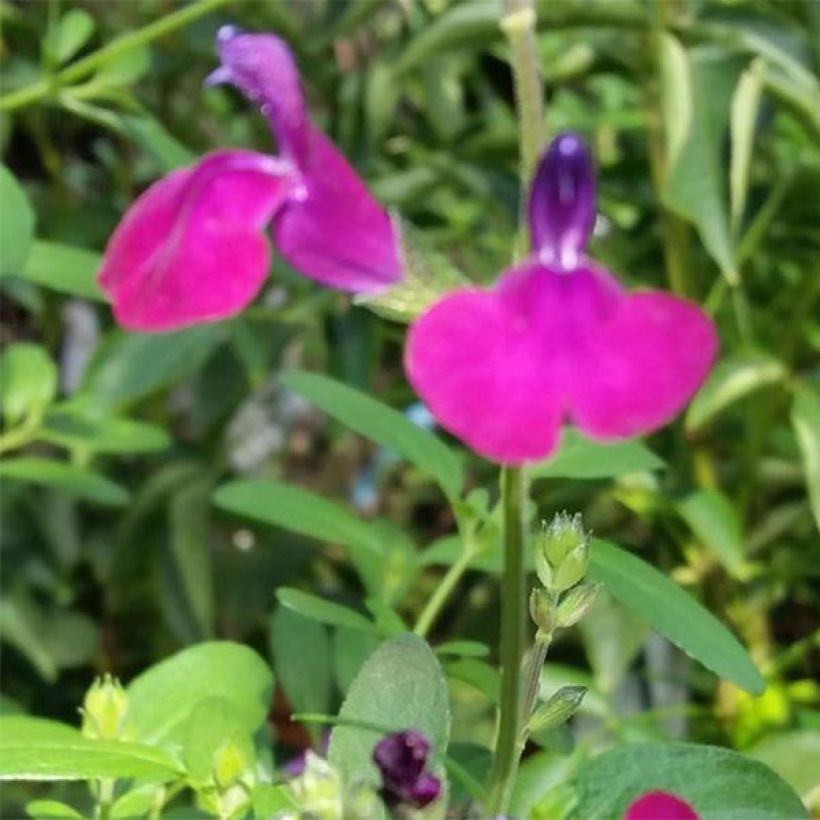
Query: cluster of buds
{"x": 561, "y": 561}
{"x": 105, "y": 710}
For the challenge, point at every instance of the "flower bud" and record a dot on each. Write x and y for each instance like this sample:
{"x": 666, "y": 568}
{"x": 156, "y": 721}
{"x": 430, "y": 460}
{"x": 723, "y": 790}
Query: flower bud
{"x": 573, "y": 568}
{"x": 564, "y": 533}
{"x": 558, "y": 709}
{"x": 230, "y": 763}
{"x": 575, "y": 603}
{"x": 105, "y": 709}
{"x": 542, "y": 611}
{"x": 318, "y": 790}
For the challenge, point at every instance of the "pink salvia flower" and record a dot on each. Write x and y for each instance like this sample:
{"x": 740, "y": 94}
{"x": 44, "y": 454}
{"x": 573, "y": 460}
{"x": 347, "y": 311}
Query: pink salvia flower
{"x": 660, "y": 806}
{"x": 557, "y": 339}
{"x": 192, "y": 248}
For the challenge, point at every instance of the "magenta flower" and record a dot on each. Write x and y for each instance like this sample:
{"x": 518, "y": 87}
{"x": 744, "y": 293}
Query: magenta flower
{"x": 557, "y": 339}
{"x": 192, "y": 248}
{"x": 401, "y": 758}
{"x": 660, "y": 806}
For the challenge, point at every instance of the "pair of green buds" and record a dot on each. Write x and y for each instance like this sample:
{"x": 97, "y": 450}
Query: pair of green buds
{"x": 561, "y": 561}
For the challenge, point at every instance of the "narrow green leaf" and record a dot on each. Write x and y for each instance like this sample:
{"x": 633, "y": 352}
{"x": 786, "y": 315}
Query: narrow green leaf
{"x": 130, "y": 366}
{"x": 715, "y": 521}
{"x": 298, "y": 511}
{"x": 401, "y": 686}
{"x": 676, "y": 95}
{"x": 478, "y": 674}
{"x": 732, "y": 379}
{"x": 306, "y": 677}
{"x": 325, "y": 612}
{"x": 674, "y": 613}
{"x": 463, "y": 649}
{"x": 50, "y": 808}
{"x": 63, "y": 268}
{"x": 578, "y": 457}
{"x": 162, "y": 697}
{"x": 16, "y": 226}
{"x": 124, "y": 69}
{"x": 381, "y": 424}
{"x": 805, "y": 417}
{"x": 34, "y": 749}
{"x": 745, "y": 109}
{"x": 76, "y": 481}
{"x": 28, "y": 381}
{"x": 717, "y": 783}
{"x": 137, "y": 802}
{"x": 696, "y": 185}
{"x": 73, "y": 31}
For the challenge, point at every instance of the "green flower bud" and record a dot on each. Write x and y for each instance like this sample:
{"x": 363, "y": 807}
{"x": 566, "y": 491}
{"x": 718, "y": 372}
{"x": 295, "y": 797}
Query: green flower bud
{"x": 575, "y": 603}
{"x": 230, "y": 763}
{"x": 572, "y": 568}
{"x": 318, "y": 790}
{"x": 542, "y": 611}
{"x": 556, "y": 711}
{"x": 564, "y": 534}
{"x": 105, "y": 709}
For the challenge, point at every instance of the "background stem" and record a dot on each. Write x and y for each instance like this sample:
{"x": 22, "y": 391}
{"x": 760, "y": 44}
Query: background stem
{"x": 513, "y": 609}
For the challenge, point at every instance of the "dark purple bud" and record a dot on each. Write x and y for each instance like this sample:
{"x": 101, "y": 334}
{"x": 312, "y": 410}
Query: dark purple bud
{"x": 562, "y": 202}
{"x": 401, "y": 758}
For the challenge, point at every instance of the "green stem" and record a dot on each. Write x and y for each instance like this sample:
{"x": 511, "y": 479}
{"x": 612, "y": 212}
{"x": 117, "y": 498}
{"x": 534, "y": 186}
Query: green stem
{"x": 121, "y": 45}
{"x": 439, "y": 598}
{"x": 513, "y": 608}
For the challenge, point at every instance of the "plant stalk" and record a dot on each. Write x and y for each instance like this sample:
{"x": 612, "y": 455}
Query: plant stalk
{"x": 445, "y": 587}
{"x": 513, "y": 609}
{"x": 81, "y": 68}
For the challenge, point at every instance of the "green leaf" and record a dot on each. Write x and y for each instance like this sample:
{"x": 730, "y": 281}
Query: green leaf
{"x": 305, "y": 676}
{"x": 76, "y": 481}
{"x": 63, "y": 268}
{"x": 137, "y": 802}
{"x": 273, "y": 801}
{"x": 794, "y": 755}
{"x": 676, "y": 95}
{"x": 50, "y": 808}
{"x": 732, "y": 379}
{"x": 674, "y": 613}
{"x": 578, "y": 457}
{"x": 28, "y": 381}
{"x": 154, "y": 138}
{"x": 73, "y": 31}
{"x": 743, "y": 123}
{"x": 162, "y": 697}
{"x": 124, "y": 69}
{"x": 717, "y": 783}
{"x": 382, "y": 424}
{"x": 299, "y": 511}
{"x": 805, "y": 417}
{"x": 538, "y": 776}
{"x": 190, "y": 544}
{"x": 16, "y": 226}
{"x": 351, "y": 648}
{"x": 463, "y": 649}
{"x": 401, "y": 686}
{"x": 715, "y": 521}
{"x": 695, "y": 185}
{"x": 131, "y": 366}
{"x": 325, "y": 612}
{"x": 478, "y": 674}
{"x": 35, "y": 749}
{"x": 71, "y": 425}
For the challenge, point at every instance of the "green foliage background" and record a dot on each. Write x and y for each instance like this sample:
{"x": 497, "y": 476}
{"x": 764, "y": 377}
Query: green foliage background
{"x": 705, "y": 119}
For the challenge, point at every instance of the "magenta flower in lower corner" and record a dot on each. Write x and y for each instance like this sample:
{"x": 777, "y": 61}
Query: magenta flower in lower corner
{"x": 557, "y": 339}
{"x": 192, "y": 247}
{"x": 660, "y": 805}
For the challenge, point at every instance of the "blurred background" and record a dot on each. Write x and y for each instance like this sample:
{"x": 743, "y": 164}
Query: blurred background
{"x": 704, "y": 116}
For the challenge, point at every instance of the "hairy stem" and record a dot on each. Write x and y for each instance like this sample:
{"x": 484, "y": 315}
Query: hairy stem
{"x": 513, "y": 607}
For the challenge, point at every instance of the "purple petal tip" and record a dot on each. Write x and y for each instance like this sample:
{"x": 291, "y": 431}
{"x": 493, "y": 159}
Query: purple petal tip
{"x": 226, "y": 34}
{"x": 562, "y": 202}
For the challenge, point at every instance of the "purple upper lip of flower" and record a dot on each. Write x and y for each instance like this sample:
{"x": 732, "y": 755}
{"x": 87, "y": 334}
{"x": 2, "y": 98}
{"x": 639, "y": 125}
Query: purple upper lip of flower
{"x": 558, "y": 339}
{"x": 192, "y": 249}
{"x": 401, "y": 759}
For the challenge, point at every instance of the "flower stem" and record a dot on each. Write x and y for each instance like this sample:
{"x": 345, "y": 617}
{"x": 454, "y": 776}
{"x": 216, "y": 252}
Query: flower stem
{"x": 513, "y": 607}
{"x": 127, "y": 42}
{"x": 437, "y": 600}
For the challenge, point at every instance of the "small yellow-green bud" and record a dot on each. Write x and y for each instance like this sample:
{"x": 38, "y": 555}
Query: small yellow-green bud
{"x": 318, "y": 790}
{"x": 105, "y": 710}
{"x": 229, "y": 764}
{"x": 575, "y": 603}
{"x": 542, "y": 611}
{"x": 564, "y": 534}
{"x": 572, "y": 568}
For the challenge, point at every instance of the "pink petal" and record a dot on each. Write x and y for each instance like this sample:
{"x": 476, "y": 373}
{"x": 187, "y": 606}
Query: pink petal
{"x": 660, "y": 806}
{"x": 190, "y": 249}
{"x": 333, "y": 230}
{"x": 502, "y": 369}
